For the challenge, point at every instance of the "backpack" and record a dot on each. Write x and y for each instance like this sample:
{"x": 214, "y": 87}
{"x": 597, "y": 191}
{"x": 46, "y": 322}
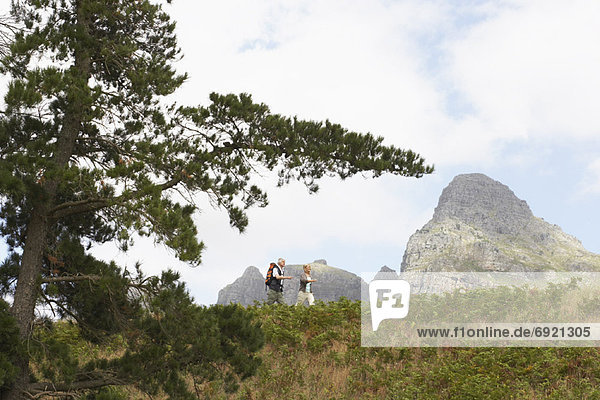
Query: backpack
{"x": 269, "y": 277}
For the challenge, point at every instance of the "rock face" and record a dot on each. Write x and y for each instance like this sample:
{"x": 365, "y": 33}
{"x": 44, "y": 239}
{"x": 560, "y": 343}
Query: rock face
{"x": 245, "y": 289}
{"x": 483, "y": 203}
{"x": 480, "y": 225}
{"x": 332, "y": 283}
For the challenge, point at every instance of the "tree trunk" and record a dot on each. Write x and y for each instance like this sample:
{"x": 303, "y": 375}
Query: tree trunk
{"x": 27, "y": 290}
{"x": 28, "y": 285}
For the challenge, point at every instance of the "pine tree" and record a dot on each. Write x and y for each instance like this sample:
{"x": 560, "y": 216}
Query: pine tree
{"x": 91, "y": 151}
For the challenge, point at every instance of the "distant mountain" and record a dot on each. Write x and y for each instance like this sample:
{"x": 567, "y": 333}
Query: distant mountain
{"x": 332, "y": 283}
{"x": 386, "y": 273}
{"x": 245, "y": 289}
{"x": 480, "y": 225}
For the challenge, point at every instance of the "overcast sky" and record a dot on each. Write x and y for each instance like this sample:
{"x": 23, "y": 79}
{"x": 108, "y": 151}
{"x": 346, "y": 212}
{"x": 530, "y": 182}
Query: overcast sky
{"x": 509, "y": 89}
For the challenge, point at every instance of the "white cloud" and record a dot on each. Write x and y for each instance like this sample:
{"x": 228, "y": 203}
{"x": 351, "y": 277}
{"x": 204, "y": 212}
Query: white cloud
{"x": 357, "y": 63}
{"x": 531, "y": 70}
{"x": 399, "y": 69}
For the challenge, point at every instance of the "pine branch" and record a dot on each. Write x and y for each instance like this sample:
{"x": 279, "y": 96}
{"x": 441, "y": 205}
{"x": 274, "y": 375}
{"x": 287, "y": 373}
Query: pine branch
{"x": 78, "y": 207}
{"x": 8, "y": 29}
{"x": 41, "y": 389}
{"x": 89, "y": 205}
{"x": 72, "y": 278}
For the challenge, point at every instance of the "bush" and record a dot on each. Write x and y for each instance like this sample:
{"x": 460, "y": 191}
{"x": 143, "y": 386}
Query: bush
{"x": 9, "y": 346}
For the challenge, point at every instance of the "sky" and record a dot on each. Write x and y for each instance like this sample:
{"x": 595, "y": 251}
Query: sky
{"x": 505, "y": 88}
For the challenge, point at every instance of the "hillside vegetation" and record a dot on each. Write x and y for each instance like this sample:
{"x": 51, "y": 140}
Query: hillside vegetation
{"x": 315, "y": 353}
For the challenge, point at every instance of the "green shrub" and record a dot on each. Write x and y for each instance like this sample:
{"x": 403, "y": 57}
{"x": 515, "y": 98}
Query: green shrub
{"x": 9, "y": 346}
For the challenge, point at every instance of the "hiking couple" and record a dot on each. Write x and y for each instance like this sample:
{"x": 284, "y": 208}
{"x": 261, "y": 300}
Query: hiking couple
{"x": 275, "y": 284}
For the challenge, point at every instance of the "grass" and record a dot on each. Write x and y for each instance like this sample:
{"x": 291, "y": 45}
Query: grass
{"x": 315, "y": 353}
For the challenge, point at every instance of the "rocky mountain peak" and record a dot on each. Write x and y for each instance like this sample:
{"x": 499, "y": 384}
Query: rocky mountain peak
{"x": 386, "y": 273}
{"x": 386, "y": 269}
{"x": 484, "y": 203}
{"x": 251, "y": 272}
{"x": 480, "y": 225}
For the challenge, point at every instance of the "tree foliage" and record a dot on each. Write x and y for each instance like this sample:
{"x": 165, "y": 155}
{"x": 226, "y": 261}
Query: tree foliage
{"x": 154, "y": 339}
{"x": 92, "y": 151}
{"x": 9, "y": 346}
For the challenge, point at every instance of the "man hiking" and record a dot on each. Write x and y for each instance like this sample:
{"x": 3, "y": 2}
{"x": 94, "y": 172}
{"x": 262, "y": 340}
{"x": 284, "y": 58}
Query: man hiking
{"x": 275, "y": 293}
